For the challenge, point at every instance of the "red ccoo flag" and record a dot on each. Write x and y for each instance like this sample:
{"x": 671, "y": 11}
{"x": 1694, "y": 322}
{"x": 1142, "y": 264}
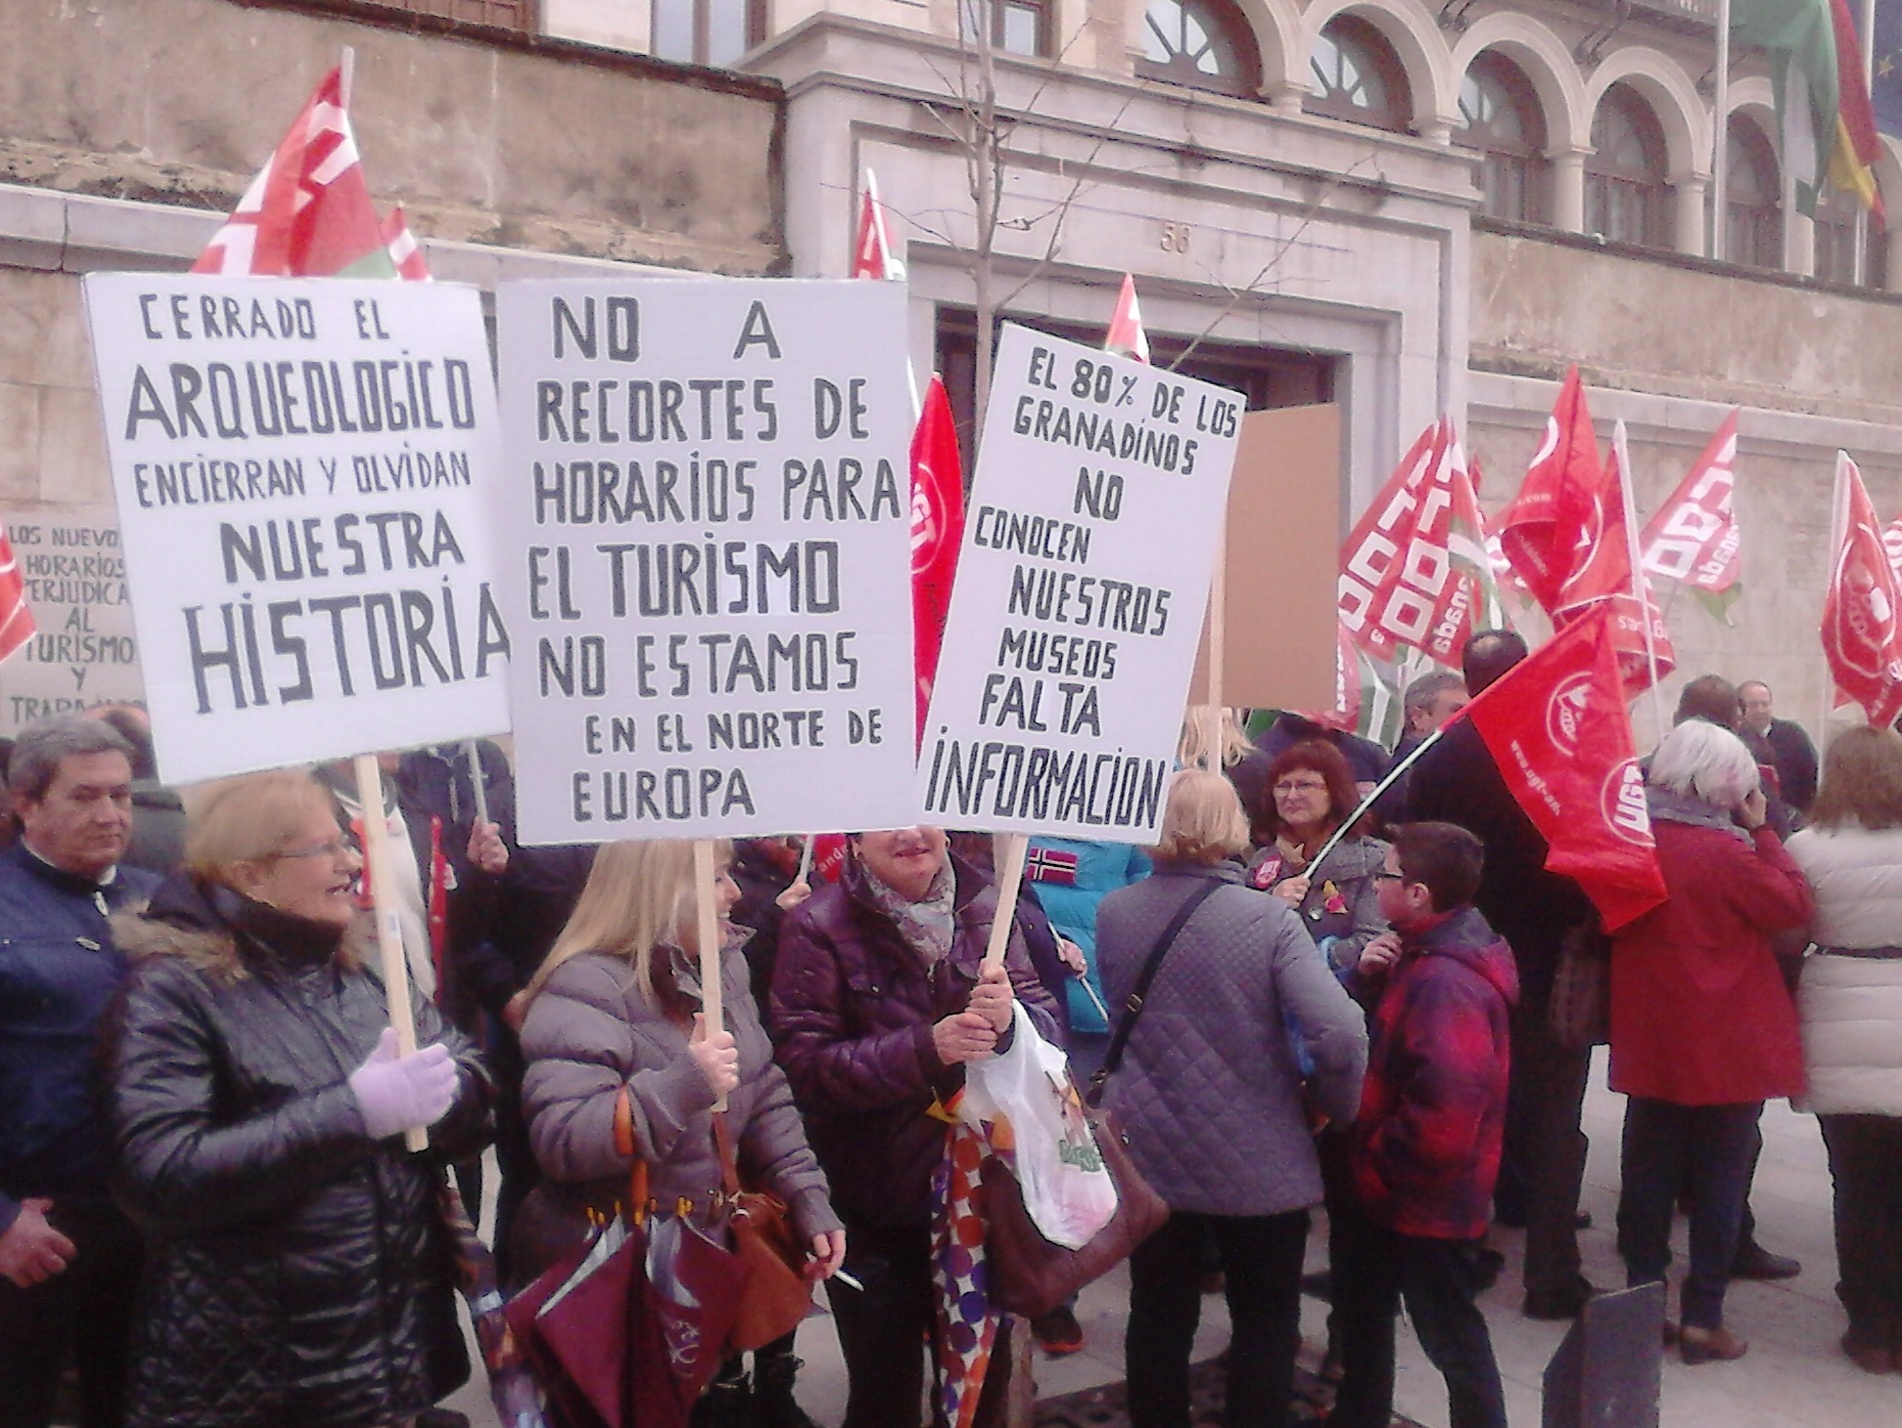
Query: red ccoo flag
{"x": 1126, "y": 335}
{"x": 308, "y": 212}
{"x": 872, "y": 250}
{"x": 1694, "y": 538}
{"x": 937, "y": 529}
{"x": 1556, "y": 727}
{"x": 16, "y": 616}
{"x": 1553, "y": 526}
{"x": 405, "y": 252}
{"x": 1862, "y": 639}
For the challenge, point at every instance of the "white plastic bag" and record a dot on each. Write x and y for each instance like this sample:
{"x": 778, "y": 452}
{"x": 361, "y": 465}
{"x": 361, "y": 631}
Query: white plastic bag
{"x": 1032, "y": 1104}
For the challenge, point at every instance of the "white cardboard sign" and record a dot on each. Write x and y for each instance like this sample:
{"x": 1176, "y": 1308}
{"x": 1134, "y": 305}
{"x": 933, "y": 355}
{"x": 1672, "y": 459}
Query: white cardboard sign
{"x": 707, "y": 556}
{"x": 1088, "y": 545}
{"x": 301, "y": 469}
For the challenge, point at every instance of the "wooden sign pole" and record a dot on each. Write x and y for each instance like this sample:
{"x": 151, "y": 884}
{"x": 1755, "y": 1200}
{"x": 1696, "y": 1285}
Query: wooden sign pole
{"x": 712, "y": 1007}
{"x": 389, "y": 926}
{"x": 1009, "y": 857}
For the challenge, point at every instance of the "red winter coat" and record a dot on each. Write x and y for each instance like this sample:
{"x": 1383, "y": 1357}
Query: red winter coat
{"x": 1700, "y": 1014}
{"x": 1433, "y": 1107}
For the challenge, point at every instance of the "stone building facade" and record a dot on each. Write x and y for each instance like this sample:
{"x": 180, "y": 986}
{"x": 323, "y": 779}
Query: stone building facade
{"x": 1404, "y": 207}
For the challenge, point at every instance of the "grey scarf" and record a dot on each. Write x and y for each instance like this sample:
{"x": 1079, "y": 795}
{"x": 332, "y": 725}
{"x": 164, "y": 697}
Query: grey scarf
{"x": 1670, "y": 806}
{"x": 927, "y": 924}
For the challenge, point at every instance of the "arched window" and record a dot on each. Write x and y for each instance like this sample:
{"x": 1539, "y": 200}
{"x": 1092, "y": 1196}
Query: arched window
{"x": 1627, "y": 198}
{"x": 1753, "y": 192}
{"x": 1205, "y": 44}
{"x": 1837, "y": 215}
{"x": 1500, "y": 116}
{"x": 1358, "y": 77}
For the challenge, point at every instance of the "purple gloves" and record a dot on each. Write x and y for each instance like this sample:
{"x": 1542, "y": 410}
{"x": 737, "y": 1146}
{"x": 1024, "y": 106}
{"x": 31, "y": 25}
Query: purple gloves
{"x": 398, "y": 1094}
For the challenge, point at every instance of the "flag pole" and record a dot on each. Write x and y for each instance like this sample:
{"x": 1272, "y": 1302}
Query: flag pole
{"x": 1864, "y": 218}
{"x": 389, "y": 925}
{"x": 1720, "y": 132}
{"x": 474, "y": 756}
{"x": 1640, "y": 587}
{"x": 1838, "y": 530}
{"x": 346, "y": 74}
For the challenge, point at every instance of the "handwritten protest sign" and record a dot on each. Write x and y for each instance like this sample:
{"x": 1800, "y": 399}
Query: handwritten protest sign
{"x": 301, "y": 469}
{"x": 707, "y": 515}
{"x": 84, "y": 653}
{"x": 1088, "y": 542}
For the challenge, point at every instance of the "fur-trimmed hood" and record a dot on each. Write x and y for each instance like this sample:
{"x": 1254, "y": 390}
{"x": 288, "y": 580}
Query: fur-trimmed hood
{"x": 224, "y": 935}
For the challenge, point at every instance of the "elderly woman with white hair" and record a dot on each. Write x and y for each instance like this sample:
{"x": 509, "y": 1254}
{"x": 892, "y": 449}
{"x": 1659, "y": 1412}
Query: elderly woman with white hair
{"x": 1703, "y": 1029}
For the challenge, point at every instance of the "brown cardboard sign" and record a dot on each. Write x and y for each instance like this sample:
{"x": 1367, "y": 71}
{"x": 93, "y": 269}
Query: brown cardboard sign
{"x": 1283, "y": 552}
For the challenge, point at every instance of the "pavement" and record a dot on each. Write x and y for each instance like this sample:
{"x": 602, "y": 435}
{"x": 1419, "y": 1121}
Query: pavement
{"x": 1793, "y": 1377}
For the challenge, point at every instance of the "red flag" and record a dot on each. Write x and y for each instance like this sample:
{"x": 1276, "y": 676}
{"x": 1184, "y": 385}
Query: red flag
{"x": 16, "y": 616}
{"x": 308, "y": 212}
{"x": 1556, "y": 726}
{"x": 1891, "y": 545}
{"x": 1126, "y": 335}
{"x": 1414, "y": 571}
{"x": 1858, "y": 147}
{"x": 1694, "y": 537}
{"x": 1861, "y": 637}
{"x": 405, "y": 252}
{"x": 937, "y": 529}
{"x": 872, "y": 252}
{"x": 1606, "y": 578}
{"x": 1552, "y": 527}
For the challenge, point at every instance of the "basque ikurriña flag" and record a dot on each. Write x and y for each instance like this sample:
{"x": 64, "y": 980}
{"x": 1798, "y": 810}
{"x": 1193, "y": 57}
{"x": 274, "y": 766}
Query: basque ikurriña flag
{"x": 16, "y": 616}
{"x": 1693, "y": 539}
{"x": 1556, "y": 726}
{"x": 1862, "y": 625}
{"x": 308, "y": 211}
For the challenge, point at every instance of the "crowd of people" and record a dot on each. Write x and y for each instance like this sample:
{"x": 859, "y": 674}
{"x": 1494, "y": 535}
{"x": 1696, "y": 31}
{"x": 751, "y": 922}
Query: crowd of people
{"x": 209, "y": 1212}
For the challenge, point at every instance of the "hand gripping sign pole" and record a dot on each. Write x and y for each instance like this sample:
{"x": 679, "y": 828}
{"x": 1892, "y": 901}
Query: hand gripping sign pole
{"x": 389, "y": 926}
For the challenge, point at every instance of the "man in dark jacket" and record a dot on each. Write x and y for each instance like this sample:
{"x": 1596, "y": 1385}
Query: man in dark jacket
{"x": 1791, "y": 752}
{"x": 1456, "y": 781}
{"x": 1425, "y": 1146}
{"x": 68, "y": 1259}
{"x": 878, "y": 1001}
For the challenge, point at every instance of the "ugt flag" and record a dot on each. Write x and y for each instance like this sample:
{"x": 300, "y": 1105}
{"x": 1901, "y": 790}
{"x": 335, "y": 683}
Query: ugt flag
{"x": 1556, "y": 726}
{"x": 308, "y": 212}
{"x": 1553, "y": 527}
{"x": 1862, "y": 634}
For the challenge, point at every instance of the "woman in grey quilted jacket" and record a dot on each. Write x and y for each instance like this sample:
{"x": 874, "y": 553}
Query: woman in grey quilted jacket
{"x": 617, "y": 1004}
{"x": 1210, "y": 1094}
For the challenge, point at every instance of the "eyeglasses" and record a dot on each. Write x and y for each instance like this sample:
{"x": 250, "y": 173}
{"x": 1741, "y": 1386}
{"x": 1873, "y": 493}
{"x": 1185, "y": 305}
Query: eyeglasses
{"x": 1301, "y": 785}
{"x": 1383, "y": 876}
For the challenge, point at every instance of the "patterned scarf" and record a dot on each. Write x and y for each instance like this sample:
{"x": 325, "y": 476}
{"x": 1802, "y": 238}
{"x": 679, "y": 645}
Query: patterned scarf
{"x": 926, "y": 924}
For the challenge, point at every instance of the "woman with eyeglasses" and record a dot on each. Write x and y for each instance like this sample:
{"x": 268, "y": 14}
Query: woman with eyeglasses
{"x": 1312, "y": 792}
{"x": 297, "y": 1273}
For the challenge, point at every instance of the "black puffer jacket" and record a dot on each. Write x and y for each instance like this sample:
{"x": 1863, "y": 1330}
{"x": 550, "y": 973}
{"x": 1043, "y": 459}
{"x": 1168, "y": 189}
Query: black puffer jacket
{"x": 297, "y": 1271}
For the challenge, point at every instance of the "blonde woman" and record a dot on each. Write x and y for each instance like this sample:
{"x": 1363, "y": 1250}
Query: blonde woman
{"x": 297, "y": 1272}
{"x": 617, "y": 1003}
{"x": 1232, "y": 755}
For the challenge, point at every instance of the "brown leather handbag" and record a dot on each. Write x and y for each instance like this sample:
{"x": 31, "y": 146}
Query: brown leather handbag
{"x": 776, "y": 1294}
{"x": 1029, "y": 1274}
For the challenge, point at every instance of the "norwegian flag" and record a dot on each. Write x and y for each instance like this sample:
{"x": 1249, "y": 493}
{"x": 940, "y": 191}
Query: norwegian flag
{"x": 1556, "y": 727}
{"x": 308, "y": 212}
{"x": 405, "y": 252}
{"x": 1552, "y": 528}
{"x": 1693, "y": 538}
{"x": 1862, "y": 613}
{"x": 1126, "y": 335}
{"x": 1050, "y": 865}
{"x": 872, "y": 255}
{"x": 1414, "y": 571}
{"x": 16, "y": 616}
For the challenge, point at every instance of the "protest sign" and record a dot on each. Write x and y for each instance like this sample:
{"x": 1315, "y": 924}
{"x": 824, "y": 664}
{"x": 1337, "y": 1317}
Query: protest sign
{"x": 708, "y": 561}
{"x": 1081, "y": 587}
{"x": 83, "y": 653}
{"x": 301, "y": 467}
